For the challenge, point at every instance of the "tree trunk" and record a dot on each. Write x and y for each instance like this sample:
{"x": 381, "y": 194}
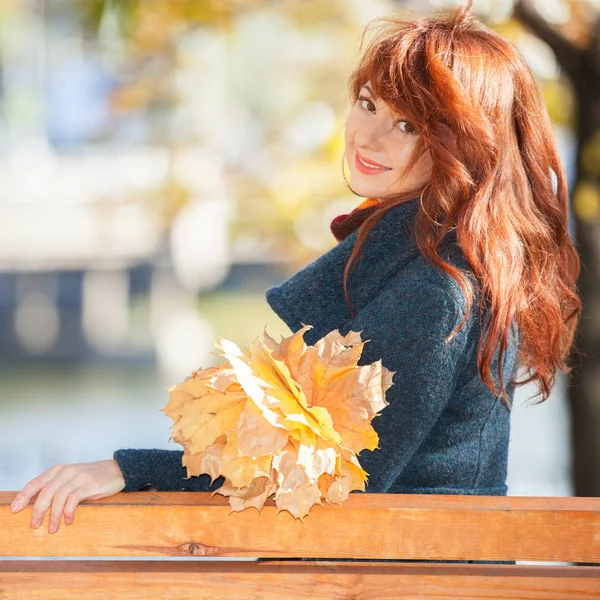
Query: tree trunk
{"x": 584, "y": 390}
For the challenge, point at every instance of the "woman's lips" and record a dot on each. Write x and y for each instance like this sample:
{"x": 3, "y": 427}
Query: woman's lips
{"x": 365, "y": 169}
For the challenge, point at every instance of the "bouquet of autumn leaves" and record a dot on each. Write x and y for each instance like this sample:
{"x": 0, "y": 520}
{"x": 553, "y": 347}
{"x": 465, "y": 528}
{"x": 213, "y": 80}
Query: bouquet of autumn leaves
{"x": 281, "y": 418}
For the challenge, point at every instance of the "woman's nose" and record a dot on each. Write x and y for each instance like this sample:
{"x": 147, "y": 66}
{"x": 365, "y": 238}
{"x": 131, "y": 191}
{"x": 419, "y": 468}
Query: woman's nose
{"x": 371, "y": 134}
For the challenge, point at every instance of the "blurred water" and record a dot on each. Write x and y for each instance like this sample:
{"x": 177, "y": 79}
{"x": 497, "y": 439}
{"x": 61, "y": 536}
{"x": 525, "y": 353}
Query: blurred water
{"x": 540, "y": 457}
{"x": 56, "y": 415}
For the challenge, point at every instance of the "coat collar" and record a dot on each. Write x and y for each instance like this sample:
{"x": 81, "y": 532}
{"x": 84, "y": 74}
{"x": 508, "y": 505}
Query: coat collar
{"x": 315, "y": 294}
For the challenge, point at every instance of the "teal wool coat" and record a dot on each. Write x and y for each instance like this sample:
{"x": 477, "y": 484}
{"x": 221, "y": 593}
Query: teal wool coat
{"x": 443, "y": 431}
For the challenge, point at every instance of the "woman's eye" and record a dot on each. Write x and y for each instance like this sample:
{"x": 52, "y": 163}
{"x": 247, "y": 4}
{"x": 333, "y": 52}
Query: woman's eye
{"x": 406, "y": 126}
{"x": 362, "y": 99}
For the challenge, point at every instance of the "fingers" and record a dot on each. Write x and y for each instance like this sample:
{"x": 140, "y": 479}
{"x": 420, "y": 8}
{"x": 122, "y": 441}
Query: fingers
{"x": 53, "y": 492}
{"x": 22, "y": 499}
{"x": 73, "y": 500}
{"x": 65, "y": 500}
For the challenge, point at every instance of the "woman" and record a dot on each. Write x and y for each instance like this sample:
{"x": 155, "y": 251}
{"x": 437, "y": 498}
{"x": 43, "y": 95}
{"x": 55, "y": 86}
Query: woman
{"x": 458, "y": 267}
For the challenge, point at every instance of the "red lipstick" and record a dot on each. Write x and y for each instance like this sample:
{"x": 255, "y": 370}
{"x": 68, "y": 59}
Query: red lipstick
{"x": 370, "y": 168}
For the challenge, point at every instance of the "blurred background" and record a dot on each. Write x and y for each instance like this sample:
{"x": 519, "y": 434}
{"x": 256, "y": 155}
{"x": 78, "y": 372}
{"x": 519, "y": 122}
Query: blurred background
{"x": 163, "y": 162}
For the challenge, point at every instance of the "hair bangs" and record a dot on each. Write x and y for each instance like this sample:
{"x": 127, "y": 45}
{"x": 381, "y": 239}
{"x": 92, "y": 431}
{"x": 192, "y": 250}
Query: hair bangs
{"x": 394, "y": 64}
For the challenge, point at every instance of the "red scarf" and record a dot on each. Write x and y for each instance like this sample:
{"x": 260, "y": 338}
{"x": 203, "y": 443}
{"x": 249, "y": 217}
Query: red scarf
{"x": 343, "y": 225}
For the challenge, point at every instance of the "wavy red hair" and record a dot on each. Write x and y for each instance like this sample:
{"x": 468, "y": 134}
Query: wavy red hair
{"x": 497, "y": 179}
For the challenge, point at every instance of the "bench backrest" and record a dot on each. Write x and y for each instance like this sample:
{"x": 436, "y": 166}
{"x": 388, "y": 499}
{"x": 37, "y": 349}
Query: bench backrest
{"x": 366, "y": 526}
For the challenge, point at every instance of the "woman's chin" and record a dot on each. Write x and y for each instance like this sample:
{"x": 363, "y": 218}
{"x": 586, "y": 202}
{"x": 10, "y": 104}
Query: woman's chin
{"x": 366, "y": 191}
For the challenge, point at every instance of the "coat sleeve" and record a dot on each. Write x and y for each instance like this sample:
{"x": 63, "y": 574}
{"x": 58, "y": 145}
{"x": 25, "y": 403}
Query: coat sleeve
{"x": 161, "y": 467}
{"x": 406, "y": 325}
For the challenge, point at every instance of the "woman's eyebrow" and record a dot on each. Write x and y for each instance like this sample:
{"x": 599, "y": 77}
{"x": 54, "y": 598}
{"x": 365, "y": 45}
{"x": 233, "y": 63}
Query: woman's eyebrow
{"x": 370, "y": 90}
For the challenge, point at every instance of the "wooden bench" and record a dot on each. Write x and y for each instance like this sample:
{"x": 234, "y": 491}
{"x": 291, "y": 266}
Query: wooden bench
{"x": 173, "y": 525}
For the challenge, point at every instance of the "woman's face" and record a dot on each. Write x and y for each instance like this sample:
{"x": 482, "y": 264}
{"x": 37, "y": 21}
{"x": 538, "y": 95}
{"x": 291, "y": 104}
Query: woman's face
{"x": 375, "y": 134}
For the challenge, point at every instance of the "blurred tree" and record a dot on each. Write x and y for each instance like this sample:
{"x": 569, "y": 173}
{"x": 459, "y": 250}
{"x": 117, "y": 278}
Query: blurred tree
{"x": 576, "y": 46}
{"x": 150, "y": 58}
{"x": 153, "y": 21}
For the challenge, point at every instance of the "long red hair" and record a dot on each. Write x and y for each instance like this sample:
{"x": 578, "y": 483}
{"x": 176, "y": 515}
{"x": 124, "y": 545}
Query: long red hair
{"x": 497, "y": 179}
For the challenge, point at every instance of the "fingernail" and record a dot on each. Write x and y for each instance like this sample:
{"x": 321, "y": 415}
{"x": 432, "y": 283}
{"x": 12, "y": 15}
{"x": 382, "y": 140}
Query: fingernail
{"x": 15, "y": 506}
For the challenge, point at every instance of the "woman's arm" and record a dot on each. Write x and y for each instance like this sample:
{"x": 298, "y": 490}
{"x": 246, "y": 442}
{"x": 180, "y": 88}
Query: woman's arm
{"x": 162, "y": 468}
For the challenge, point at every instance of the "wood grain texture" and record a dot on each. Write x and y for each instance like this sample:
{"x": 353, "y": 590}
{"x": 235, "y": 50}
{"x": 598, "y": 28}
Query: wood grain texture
{"x": 177, "y": 524}
{"x": 274, "y": 580}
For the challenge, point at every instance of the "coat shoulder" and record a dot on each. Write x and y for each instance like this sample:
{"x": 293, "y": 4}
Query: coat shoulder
{"x": 421, "y": 277}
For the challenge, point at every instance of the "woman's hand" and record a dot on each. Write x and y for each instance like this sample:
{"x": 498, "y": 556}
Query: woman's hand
{"x": 65, "y": 486}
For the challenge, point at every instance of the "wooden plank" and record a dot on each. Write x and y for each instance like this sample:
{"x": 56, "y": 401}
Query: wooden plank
{"x": 273, "y": 580}
{"x": 145, "y": 524}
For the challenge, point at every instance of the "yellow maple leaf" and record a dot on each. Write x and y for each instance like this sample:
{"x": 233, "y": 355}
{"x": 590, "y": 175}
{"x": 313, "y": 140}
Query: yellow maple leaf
{"x": 208, "y": 461}
{"x": 256, "y": 436}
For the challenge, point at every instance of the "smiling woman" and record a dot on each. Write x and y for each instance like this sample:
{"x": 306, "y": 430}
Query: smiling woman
{"x": 466, "y": 270}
